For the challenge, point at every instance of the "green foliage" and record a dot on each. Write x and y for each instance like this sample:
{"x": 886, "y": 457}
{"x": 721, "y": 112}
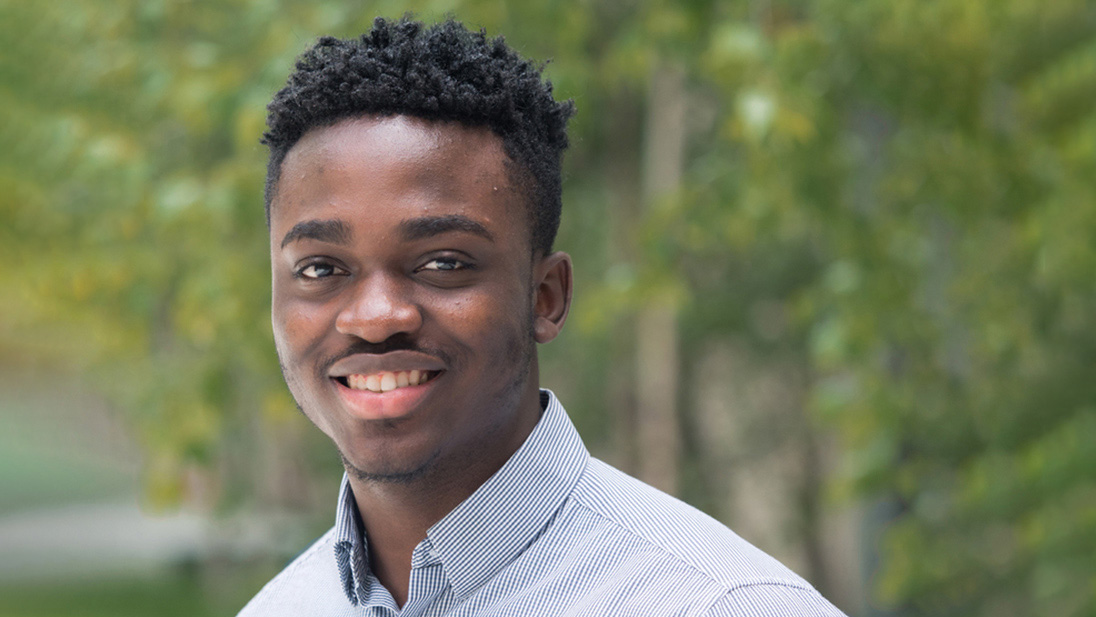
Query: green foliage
{"x": 897, "y": 196}
{"x": 942, "y": 190}
{"x": 134, "y": 197}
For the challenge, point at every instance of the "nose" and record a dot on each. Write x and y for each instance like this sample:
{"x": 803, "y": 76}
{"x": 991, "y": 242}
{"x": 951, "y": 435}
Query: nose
{"x": 380, "y": 307}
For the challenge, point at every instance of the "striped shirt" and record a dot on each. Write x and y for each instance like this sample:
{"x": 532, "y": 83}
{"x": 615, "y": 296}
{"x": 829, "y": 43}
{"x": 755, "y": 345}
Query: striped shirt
{"x": 553, "y": 532}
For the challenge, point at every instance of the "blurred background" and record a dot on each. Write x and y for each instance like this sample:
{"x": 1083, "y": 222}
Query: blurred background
{"x": 836, "y": 286}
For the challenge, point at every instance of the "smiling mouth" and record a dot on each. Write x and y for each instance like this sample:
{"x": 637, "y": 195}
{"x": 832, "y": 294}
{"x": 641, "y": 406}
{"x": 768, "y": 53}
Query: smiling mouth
{"x": 386, "y": 381}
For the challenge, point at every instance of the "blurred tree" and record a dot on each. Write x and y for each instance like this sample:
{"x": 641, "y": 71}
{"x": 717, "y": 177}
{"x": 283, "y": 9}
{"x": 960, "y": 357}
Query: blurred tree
{"x": 924, "y": 171}
{"x": 133, "y": 190}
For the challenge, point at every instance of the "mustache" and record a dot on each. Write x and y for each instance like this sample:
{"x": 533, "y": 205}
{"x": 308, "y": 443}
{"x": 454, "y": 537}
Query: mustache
{"x": 396, "y": 342}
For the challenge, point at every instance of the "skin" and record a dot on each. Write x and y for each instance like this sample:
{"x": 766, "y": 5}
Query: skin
{"x": 398, "y": 242}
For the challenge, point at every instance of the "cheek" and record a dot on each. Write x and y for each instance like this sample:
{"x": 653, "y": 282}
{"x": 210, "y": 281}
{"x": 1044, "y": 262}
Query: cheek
{"x": 297, "y": 328}
{"x": 492, "y": 322}
{"x": 481, "y": 311}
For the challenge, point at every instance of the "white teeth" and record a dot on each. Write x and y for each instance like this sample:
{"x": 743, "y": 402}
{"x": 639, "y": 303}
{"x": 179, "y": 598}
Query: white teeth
{"x": 386, "y": 381}
{"x": 373, "y": 382}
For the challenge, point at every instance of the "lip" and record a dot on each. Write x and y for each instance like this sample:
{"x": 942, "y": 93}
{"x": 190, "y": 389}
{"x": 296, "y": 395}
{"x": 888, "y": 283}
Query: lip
{"x": 393, "y": 362}
{"x": 391, "y": 405}
{"x": 394, "y": 404}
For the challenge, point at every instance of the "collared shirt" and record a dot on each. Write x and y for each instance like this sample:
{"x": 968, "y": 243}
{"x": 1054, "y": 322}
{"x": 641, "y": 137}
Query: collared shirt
{"x": 553, "y": 532}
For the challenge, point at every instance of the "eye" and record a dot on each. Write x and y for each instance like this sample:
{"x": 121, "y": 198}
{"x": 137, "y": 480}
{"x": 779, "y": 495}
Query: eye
{"x": 445, "y": 264}
{"x": 318, "y": 270}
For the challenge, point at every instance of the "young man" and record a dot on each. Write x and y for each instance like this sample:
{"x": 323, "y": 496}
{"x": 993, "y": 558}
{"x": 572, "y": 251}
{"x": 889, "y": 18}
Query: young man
{"x": 413, "y": 195}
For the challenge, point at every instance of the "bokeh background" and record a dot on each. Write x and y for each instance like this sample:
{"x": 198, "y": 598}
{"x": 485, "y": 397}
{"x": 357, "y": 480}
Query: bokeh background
{"x": 836, "y": 286}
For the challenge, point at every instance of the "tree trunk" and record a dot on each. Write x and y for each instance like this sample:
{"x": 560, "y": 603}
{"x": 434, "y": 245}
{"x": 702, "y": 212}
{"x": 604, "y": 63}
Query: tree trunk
{"x": 622, "y": 172}
{"x": 658, "y": 437}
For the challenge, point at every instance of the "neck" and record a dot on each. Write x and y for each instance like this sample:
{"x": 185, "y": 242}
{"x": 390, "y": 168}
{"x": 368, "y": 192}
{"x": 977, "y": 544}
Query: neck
{"x": 397, "y": 515}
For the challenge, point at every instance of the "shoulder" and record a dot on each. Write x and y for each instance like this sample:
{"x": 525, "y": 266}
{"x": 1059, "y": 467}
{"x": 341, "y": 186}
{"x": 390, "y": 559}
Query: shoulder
{"x": 772, "y": 599}
{"x": 305, "y": 585}
{"x": 679, "y": 533}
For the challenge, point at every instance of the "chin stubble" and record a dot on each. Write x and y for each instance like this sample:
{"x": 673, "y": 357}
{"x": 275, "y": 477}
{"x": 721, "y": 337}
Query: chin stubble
{"x": 401, "y": 477}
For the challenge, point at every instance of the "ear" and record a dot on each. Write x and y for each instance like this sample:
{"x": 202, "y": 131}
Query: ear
{"x": 552, "y": 277}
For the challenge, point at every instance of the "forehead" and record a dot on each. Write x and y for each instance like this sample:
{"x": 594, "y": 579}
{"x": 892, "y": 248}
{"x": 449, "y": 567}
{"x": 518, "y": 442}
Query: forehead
{"x": 369, "y": 163}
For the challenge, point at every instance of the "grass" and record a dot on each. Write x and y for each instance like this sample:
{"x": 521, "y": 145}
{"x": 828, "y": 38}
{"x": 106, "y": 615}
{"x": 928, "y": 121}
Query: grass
{"x": 182, "y": 594}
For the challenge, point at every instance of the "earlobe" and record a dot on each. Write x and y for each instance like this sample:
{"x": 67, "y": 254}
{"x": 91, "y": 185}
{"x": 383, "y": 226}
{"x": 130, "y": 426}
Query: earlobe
{"x": 553, "y": 295}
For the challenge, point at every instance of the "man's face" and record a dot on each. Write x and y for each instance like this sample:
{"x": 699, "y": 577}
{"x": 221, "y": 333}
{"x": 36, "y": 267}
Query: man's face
{"x": 406, "y": 300}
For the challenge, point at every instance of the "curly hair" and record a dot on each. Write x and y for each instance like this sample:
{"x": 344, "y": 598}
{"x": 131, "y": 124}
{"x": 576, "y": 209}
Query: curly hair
{"x": 442, "y": 72}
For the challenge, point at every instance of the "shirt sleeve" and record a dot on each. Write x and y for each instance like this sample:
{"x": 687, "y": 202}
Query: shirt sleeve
{"x": 772, "y": 600}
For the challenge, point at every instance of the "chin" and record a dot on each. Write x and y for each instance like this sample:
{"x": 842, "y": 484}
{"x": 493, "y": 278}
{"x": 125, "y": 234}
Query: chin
{"x": 387, "y": 474}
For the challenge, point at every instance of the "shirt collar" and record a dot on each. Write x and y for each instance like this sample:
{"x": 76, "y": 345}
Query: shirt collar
{"x": 351, "y": 552}
{"x": 494, "y": 524}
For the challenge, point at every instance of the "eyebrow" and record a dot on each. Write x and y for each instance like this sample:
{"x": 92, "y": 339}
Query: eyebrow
{"x": 331, "y": 230}
{"x": 428, "y": 226}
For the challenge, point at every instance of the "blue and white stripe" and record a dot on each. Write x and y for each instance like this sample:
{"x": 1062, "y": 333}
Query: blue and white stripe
{"x": 553, "y": 532}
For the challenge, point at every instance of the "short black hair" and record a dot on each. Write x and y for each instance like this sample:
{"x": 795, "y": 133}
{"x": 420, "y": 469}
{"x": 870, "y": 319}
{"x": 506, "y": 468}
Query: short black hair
{"x": 441, "y": 72}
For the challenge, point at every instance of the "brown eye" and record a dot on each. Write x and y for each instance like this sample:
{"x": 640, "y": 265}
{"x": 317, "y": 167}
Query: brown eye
{"x": 317, "y": 271}
{"x": 445, "y": 264}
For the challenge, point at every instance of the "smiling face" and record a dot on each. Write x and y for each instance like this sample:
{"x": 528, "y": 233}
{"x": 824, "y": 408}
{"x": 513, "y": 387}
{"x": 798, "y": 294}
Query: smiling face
{"x": 406, "y": 298}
